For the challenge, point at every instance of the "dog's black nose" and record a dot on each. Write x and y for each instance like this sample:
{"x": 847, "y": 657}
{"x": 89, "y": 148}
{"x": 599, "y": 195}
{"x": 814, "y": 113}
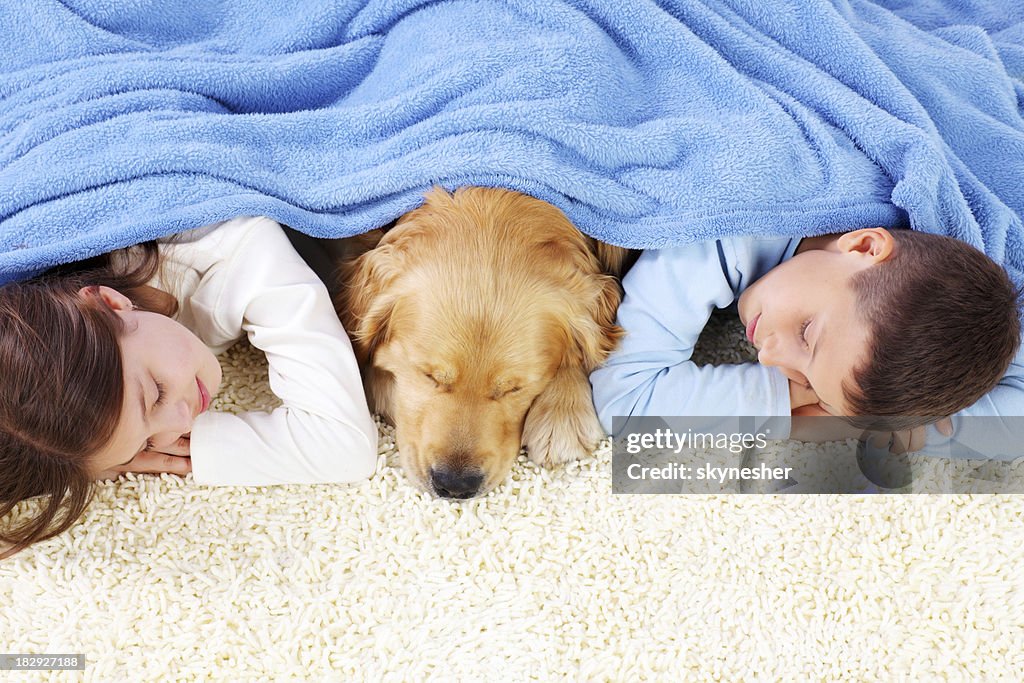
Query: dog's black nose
{"x": 458, "y": 484}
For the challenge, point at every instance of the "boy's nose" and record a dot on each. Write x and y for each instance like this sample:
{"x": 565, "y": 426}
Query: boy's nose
{"x": 771, "y": 352}
{"x": 776, "y": 352}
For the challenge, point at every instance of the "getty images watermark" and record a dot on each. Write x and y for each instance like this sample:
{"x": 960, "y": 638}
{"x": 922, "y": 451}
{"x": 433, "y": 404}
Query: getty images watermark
{"x": 755, "y": 455}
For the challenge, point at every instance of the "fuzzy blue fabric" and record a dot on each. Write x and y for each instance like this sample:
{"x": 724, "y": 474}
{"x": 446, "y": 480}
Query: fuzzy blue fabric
{"x": 650, "y": 123}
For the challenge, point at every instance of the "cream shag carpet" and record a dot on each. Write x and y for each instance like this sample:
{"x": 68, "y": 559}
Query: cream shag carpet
{"x": 550, "y": 577}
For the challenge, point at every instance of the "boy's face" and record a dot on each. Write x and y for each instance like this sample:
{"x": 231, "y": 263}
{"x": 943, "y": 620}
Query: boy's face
{"x": 803, "y": 317}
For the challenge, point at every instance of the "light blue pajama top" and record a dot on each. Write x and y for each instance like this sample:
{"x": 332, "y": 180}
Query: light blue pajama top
{"x": 669, "y": 296}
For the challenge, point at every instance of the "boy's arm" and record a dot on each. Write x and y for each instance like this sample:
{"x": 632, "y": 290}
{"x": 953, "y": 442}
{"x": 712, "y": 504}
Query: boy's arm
{"x": 669, "y": 296}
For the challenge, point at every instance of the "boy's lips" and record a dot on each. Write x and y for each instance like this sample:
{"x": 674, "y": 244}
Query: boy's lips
{"x": 204, "y": 396}
{"x": 752, "y": 327}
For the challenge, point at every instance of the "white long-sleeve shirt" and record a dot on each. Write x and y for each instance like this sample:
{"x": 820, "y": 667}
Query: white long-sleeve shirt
{"x": 243, "y": 276}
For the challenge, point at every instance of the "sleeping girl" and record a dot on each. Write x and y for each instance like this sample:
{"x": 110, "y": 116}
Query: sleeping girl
{"x": 108, "y": 366}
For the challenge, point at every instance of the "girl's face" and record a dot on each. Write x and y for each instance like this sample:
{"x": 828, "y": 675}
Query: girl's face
{"x": 169, "y": 379}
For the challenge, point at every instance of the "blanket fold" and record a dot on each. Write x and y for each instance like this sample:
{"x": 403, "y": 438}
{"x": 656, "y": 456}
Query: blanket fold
{"x": 650, "y": 123}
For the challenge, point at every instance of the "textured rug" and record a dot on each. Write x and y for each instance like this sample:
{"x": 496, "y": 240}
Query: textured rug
{"x": 549, "y": 577}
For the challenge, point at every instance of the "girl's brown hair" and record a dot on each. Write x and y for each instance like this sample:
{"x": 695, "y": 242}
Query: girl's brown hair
{"x": 61, "y": 387}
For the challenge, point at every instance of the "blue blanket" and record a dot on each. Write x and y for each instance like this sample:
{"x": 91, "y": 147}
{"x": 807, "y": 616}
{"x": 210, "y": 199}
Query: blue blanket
{"x": 650, "y": 123}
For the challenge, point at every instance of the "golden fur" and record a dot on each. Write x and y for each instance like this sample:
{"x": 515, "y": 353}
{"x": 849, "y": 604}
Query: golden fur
{"x": 477, "y": 320}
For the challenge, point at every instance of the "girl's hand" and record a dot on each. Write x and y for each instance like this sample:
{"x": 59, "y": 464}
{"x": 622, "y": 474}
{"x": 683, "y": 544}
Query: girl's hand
{"x": 172, "y": 459}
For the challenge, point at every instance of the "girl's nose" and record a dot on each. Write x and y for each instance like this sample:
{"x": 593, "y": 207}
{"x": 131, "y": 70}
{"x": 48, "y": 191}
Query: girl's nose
{"x": 178, "y": 421}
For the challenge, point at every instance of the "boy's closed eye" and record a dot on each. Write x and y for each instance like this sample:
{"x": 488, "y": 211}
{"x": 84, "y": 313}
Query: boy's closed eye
{"x": 160, "y": 393}
{"x": 803, "y": 333}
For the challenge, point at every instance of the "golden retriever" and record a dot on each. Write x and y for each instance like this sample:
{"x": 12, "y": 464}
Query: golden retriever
{"x": 477, "y": 320}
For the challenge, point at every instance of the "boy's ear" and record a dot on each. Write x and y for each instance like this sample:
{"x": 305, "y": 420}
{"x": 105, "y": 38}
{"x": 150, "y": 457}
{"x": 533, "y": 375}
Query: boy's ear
{"x": 875, "y": 243}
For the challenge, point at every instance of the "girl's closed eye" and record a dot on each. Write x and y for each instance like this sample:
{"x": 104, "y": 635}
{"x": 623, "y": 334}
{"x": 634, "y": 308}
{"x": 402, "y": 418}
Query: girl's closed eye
{"x": 161, "y": 395}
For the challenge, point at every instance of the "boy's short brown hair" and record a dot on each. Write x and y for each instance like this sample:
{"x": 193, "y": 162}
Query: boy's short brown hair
{"x": 945, "y": 323}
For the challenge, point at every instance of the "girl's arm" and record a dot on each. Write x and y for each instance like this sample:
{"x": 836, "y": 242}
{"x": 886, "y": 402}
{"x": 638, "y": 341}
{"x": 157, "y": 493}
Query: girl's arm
{"x": 323, "y": 432}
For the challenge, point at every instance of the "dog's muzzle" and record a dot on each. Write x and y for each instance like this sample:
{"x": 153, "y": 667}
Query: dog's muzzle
{"x": 460, "y": 484}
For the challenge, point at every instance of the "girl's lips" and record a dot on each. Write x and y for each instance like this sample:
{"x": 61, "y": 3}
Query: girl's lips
{"x": 752, "y": 327}
{"x": 204, "y": 396}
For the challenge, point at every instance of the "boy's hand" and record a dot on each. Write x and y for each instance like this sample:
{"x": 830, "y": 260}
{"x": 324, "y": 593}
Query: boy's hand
{"x": 800, "y": 395}
{"x": 172, "y": 459}
{"x": 910, "y": 440}
{"x": 906, "y": 441}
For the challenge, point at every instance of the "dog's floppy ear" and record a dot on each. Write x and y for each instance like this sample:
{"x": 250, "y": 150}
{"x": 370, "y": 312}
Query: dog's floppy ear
{"x": 612, "y": 259}
{"x": 367, "y": 297}
{"x": 591, "y": 301}
{"x": 595, "y": 333}
{"x": 585, "y": 270}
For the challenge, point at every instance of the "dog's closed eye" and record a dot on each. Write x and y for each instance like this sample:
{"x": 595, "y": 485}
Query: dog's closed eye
{"x": 502, "y": 393}
{"x": 440, "y": 380}
{"x": 505, "y": 388}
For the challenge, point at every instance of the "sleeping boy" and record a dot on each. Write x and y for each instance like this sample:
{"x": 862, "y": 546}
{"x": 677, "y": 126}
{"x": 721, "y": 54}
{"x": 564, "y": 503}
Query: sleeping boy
{"x": 892, "y": 329}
